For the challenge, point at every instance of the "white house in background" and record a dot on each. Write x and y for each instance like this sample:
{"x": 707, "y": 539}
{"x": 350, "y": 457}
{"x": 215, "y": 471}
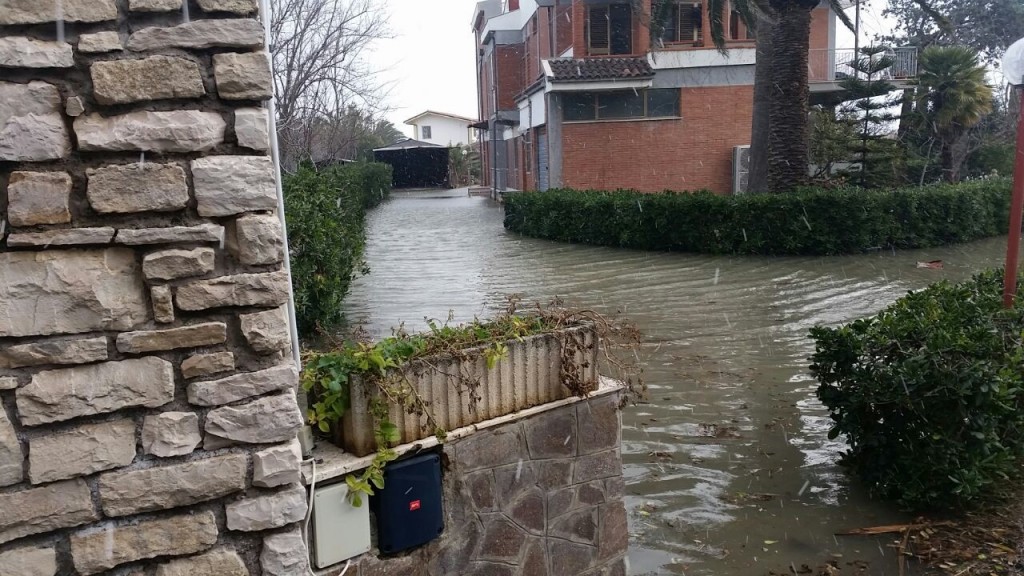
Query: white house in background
{"x": 442, "y": 129}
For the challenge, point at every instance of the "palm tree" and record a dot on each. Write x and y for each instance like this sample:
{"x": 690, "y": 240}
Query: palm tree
{"x": 954, "y": 98}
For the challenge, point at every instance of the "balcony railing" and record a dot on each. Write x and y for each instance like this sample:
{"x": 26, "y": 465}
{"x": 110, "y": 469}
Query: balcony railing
{"x": 835, "y": 65}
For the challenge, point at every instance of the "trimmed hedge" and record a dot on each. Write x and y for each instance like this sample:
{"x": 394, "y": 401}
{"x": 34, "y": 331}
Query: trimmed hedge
{"x": 930, "y": 393}
{"x": 326, "y": 212}
{"x": 808, "y": 221}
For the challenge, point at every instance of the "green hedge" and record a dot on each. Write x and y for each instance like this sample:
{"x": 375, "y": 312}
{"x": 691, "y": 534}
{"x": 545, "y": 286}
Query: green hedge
{"x": 929, "y": 393}
{"x": 325, "y": 210}
{"x": 810, "y": 221}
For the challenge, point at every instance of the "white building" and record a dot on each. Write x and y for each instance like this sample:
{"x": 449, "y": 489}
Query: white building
{"x": 442, "y": 129}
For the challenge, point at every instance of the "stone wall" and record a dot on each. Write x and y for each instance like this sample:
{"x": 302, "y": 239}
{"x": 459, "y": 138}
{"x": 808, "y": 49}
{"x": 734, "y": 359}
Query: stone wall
{"x": 532, "y": 497}
{"x": 148, "y": 407}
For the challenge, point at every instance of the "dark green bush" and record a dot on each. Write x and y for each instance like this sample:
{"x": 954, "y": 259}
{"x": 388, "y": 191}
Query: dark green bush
{"x": 811, "y": 221}
{"x": 325, "y": 210}
{"x": 929, "y": 393}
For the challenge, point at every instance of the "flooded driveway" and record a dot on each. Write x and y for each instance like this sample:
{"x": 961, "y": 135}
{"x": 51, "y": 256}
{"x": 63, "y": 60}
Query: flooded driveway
{"x": 728, "y": 468}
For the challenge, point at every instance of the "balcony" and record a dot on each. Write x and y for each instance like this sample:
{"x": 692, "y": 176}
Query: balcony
{"x": 828, "y": 67}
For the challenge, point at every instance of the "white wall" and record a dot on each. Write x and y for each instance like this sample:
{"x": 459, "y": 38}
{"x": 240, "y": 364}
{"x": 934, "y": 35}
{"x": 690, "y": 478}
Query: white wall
{"x": 532, "y": 112}
{"x": 443, "y": 131}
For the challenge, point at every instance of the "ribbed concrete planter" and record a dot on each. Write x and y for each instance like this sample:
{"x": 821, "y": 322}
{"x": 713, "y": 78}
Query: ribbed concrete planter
{"x": 529, "y": 376}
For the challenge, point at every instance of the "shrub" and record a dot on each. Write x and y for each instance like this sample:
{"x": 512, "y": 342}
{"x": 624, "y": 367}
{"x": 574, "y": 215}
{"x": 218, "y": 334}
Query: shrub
{"x": 810, "y": 221}
{"x": 929, "y": 393}
{"x": 325, "y": 210}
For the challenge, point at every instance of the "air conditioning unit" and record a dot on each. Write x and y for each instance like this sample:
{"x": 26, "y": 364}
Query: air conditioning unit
{"x": 740, "y": 169}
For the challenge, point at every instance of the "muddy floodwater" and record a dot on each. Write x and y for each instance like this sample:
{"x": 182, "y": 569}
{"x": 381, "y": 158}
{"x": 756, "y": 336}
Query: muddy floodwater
{"x": 728, "y": 467}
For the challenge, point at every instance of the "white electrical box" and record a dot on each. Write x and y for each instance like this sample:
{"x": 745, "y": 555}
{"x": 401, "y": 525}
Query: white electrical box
{"x": 340, "y": 530}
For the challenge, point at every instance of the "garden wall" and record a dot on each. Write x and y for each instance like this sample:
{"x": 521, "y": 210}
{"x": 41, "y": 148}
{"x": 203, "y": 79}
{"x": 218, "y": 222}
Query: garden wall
{"x": 531, "y": 494}
{"x": 146, "y": 379}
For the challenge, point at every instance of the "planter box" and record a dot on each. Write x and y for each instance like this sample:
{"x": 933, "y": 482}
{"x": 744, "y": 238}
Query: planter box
{"x": 528, "y": 376}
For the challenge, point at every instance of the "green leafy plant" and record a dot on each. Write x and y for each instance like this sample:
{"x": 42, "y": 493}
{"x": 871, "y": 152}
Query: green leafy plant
{"x": 329, "y": 375}
{"x": 929, "y": 393}
{"x": 810, "y": 221}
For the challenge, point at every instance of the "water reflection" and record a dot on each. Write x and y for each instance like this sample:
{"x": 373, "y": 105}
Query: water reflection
{"x": 728, "y": 468}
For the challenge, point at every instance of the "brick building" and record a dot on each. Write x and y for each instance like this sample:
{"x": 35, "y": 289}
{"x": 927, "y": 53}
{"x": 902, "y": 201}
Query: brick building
{"x": 577, "y": 93}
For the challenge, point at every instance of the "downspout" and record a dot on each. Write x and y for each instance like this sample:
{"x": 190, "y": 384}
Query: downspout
{"x": 494, "y": 123}
{"x": 293, "y": 327}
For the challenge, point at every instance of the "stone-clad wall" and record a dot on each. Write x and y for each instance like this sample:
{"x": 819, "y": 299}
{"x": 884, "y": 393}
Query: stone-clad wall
{"x": 148, "y": 407}
{"x": 537, "y": 496}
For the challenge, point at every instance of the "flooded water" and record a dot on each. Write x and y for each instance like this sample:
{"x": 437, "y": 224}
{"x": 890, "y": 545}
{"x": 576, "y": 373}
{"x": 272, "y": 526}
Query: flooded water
{"x": 728, "y": 468}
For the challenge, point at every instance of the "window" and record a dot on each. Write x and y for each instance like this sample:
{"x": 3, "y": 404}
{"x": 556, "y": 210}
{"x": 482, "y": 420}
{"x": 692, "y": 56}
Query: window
{"x": 425, "y": 132}
{"x": 610, "y": 29}
{"x": 684, "y": 22}
{"x": 621, "y": 105}
{"x": 738, "y": 30}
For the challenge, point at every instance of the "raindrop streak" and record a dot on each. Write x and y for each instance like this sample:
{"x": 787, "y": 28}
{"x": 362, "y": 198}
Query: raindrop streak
{"x": 142, "y": 160}
{"x": 184, "y": 12}
{"x": 717, "y": 270}
{"x": 59, "y": 10}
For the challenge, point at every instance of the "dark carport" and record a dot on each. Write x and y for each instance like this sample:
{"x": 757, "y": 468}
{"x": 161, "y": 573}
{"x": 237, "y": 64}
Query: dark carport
{"x": 415, "y": 164}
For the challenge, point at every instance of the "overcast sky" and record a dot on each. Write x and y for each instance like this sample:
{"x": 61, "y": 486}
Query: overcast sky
{"x": 429, "y": 62}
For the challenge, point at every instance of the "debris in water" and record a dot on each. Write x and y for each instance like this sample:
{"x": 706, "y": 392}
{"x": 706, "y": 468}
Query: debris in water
{"x": 931, "y": 264}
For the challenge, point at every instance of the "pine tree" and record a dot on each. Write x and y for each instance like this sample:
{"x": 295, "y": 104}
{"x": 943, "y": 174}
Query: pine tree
{"x": 875, "y": 151}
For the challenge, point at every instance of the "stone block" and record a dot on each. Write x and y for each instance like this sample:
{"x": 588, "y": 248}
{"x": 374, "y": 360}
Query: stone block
{"x": 128, "y": 188}
{"x": 232, "y": 33}
{"x": 102, "y": 286}
{"x": 256, "y": 239}
{"x": 31, "y": 124}
{"x": 174, "y": 264}
{"x": 228, "y": 185}
{"x": 284, "y": 554}
{"x": 277, "y": 466}
{"x": 38, "y": 198}
{"x": 11, "y": 454}
{"x": 243, "y": 76}
{"x": 267, "y": 420}
{"x": 173, "y": 131}
{"x": 68, "y": 237}
{"x": 22, "y": 52}
{"x": 54, "y": 351}
{"x": 489, "y": 449}
{"x": 503, "y": 540}
{"x": 536, "y": 560}
{"x": 103, "y": 547}
{"x": 267, "y": 332}
{"x": 206, "y": 334}
{"x": 74, "y": 107}
{"x": 267, "y": 289}
{"x": 244, "y": 385}
{"x": 100, "y": 42}
{"x": 152, "y": 78}
{"x": 551, "y": 434}
{"x": 160, "y": 488}
{"x": 29, "y": 561}
{"x": 599, "y": 424}
{"x": 154, "y": 5}
{"x": 50, "y": 507}
{"x": 81, "y": 451}
{"x": 614, "y": 534}
{"x": 268, "y": 511}
{"x": 41, "y": 11}
{"x": 481, "y": 490}
{"x": 204, "y": 233}
{"x": 163, "y": 304}
{"x": 528, "y": 511}
{"x": 206, "y": 364}
{"x": 252, "y": 128}
{"x": 551, "y": 474}
{"x": 579, "y": 526}
{"x": 570, "y": 557}
{"x": 57, "y": 395}
{"x": 591, "y": 493}
{"x": 480, "y": 568}
{"x": 597, "y": 466}
{"x": 171, "y": 434}
{"x": 8, "y": 382}
{"x": 219, "y": 562}
{"x": 240, "y": 7}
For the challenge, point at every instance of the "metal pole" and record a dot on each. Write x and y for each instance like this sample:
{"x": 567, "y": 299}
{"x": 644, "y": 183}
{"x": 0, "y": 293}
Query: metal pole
{"x": 856, "y": 39}
{"x": 1016, "y": 214}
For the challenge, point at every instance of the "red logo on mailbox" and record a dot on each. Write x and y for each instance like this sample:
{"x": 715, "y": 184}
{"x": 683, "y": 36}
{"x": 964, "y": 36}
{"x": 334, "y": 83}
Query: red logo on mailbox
{"x": 414, "y": 505}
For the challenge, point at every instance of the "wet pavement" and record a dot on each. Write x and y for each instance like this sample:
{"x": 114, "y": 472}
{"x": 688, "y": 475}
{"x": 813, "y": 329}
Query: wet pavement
{"x": 728, "y": 467}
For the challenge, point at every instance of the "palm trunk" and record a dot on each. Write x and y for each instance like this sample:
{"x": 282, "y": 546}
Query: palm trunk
{"x": 949, "y": 172}
{"x": 789, "y": 123}
{"x": 758, "y": 177}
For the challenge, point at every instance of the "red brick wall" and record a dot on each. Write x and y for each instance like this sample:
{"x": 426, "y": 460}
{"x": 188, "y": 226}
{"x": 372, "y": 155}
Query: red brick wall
{"x": 819, "y": 28}
{"x": 510, "y": 75}
{"x": 655, "y": 155}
